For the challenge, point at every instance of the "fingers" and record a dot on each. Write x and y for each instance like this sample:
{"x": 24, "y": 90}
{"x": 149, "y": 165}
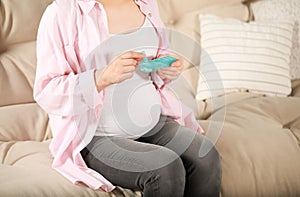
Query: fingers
{"x": 128, "y": 69}
{"x": 129, "y": 62}
{"x": 129, "y": 65}
{"x": 172, "y": 73}
{"x": 178, "y": 65}
{"x": 168, "y": 73}
{"x": 132, "y": 55}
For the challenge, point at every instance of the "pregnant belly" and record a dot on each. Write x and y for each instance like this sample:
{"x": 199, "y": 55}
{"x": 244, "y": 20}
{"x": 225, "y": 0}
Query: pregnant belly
{"x": 134, "y": 109}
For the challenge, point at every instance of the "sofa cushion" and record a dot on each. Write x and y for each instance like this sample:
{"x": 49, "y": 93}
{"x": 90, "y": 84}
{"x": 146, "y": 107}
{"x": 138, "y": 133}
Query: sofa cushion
{"x": 25, "y": 170}
{"x": 17, "y": 73}
{"x": 171, "y": 10}
{"x": 20, "y": 19}
{"x": 258, "y": 139}
{"x": 23, "y": 122}
{"x": 19, "y": 23}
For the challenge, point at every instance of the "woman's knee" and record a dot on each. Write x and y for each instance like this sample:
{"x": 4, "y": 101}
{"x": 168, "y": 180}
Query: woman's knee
{"x": 209, "y": 154}
{"x": 170, "y": 178}
{"x": 207, "y": 166}
{"x": 202, "y": 150}
{"x": 204, "y": 167}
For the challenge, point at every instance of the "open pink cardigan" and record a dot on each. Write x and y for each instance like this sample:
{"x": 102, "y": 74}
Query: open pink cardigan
{"x": 65, "y": 88}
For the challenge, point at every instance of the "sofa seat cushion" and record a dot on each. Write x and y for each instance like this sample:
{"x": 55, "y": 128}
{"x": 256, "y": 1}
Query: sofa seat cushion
{"x": 24, "y": 122}
{"x": 25, "y": 170}
{"x": 259, "y": 144}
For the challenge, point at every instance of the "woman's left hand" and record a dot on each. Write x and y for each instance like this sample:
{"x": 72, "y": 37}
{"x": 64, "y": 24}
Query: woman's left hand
{"x": 171, "y": 73}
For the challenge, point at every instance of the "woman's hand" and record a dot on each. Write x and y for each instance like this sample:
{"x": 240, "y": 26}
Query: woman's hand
{"x": 171, "y": 73}
{"x": 120, "y": 69}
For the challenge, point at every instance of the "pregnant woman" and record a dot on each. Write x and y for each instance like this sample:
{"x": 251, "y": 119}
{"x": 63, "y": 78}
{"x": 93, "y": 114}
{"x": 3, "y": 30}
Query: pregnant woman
{"x": 114, "y": 125}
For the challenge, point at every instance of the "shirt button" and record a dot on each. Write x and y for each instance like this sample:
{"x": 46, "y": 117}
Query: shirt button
{"x": 150, "y": 15}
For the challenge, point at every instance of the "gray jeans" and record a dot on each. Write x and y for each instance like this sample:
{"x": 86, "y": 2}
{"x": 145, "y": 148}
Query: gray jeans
{"x": 165, "y": 162}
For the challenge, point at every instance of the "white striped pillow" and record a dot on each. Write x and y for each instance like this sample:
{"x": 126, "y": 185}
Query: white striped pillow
{"x": 278, "y": 10}
{"x": 238, "y": 56}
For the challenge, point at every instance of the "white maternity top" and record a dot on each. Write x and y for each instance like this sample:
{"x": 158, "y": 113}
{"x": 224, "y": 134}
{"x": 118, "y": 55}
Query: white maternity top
{"x": 132, "y": 107}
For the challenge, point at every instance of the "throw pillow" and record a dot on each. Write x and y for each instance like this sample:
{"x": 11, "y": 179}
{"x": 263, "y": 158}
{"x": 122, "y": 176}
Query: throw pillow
{"x": 238, "y": 56}
{"x": 283, "y": 9}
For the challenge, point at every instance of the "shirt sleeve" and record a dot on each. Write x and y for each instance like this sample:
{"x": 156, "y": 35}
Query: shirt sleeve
{"x": 61, "y": 87}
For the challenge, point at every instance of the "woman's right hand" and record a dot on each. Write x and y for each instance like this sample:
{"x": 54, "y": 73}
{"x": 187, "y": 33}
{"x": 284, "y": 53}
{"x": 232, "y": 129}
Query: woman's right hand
{"x": 120, "y": 69}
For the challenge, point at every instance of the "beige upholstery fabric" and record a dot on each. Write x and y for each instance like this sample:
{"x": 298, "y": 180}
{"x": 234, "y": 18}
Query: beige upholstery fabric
{"x": 18, "y": 19}
{"x": 18, "y": 71}
{"x": 19, "y": 22}
{"x": 23, "y": 122}
{"x": 296, "y": 88}
{"x": 259, "y": 139}
{"x": 26, "y": 171}
{"x": 172, "y": 10}
{"x": 259, "y": 143}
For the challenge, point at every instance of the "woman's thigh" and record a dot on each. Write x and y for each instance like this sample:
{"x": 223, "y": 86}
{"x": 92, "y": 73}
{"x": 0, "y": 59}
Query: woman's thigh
{"x": 200, "y": 158}
{"x": 131, "y": 164}
{"x": 180, "y": 139}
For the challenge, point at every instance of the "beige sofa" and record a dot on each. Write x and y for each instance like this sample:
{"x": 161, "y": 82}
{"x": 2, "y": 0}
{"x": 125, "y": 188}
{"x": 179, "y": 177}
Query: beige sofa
{"x": 259, "y": 140}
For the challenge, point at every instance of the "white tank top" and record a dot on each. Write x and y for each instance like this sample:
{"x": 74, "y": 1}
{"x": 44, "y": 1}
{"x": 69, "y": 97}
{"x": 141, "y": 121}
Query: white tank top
{"x": 132, "y": 107}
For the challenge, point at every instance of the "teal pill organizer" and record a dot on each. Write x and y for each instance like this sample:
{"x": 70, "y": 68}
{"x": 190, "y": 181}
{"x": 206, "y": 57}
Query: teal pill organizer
{"x": 156, "y": 64}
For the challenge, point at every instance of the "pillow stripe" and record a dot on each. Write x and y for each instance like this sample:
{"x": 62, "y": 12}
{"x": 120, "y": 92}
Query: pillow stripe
{"x": 261, "y": 64}
{"x": 222, "y": 90}
{"x": 245, "y": 39}
{"x": 282, "y": 10}
{"x": 250, "y": 47}
{"x": 246, "y": 80}
{"x": 244, "y": 56}
{"x": 241, "y": 31}
{"x": 230, "y": 84}
{"x": 238, "y": 53}
{"x": 285, "y": 26}
{"x": 243, "y": 70}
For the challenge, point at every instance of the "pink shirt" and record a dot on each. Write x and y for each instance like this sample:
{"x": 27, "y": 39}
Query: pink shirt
{"x": 65, "y": 87}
